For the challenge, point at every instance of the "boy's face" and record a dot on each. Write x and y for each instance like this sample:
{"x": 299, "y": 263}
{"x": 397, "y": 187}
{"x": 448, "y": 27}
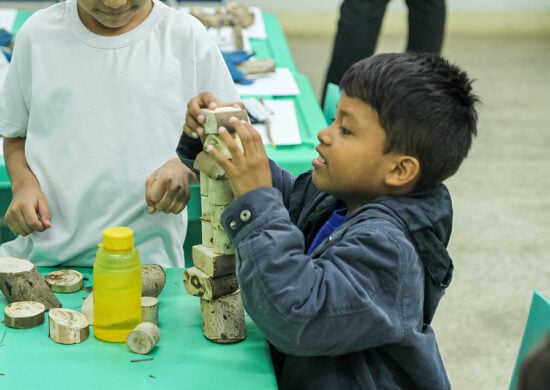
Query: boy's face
{"x": 351, "y": 163}
{"x": 113, "y": 17}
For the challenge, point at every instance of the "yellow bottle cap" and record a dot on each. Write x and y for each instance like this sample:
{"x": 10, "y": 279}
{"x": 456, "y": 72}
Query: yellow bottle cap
{"x": 118, "y": 238}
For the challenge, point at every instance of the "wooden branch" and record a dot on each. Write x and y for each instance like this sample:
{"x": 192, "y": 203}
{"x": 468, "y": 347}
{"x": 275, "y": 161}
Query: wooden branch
{"x": 24, "y": 315}
{"x": 207, "y": 165}
{"x": 223, "y": 319}
{"x": 20, "y": 281}
{"x": 68, "y": 326}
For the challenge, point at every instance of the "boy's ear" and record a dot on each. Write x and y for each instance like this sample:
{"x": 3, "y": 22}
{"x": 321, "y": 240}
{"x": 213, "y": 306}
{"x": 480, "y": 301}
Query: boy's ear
{"x": 405, "y": 171}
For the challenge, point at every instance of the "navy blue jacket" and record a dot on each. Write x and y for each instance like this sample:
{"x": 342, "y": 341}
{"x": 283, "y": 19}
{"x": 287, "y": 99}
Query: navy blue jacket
{"x": 355, "y": 314}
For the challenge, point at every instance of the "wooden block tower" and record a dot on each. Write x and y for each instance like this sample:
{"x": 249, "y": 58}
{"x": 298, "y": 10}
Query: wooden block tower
{"x": 212, "y": 277}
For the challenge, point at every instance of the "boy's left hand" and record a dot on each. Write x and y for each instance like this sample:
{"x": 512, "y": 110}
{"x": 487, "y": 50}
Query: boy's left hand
{"x": 167, "y": 189}
{"x": 248, "y": 169}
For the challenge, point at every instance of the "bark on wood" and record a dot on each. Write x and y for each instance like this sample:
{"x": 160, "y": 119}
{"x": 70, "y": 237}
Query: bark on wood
{"x": 220, "y": 193}
{"x": 199, "y": 284}
{"x": 150, "y": 310}
{"x": 223, "y": 319}
{"x": 24, "y": 315}
{"x": 143, "y": 338}
{"x": 207, "y": 233}
{"x": 20, "y": 281}
{"x": 65, "y": 281}
{"x": 68, "y": 326}
{"x": 153, "y": 280}
{"x": 220, "y": 117}
{"x": 221, "y": 242}
{"x": 211, "y": 263}
{"x": 207, "y": 165}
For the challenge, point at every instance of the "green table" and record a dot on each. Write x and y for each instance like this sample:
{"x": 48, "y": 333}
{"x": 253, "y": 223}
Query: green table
{"x": 182, "y": 359}
{"x": 294, "y": 158}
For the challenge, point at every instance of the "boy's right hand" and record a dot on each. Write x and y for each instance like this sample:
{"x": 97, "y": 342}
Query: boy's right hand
{"x": 194, "y": 118}
{"x": 28, "y": 212}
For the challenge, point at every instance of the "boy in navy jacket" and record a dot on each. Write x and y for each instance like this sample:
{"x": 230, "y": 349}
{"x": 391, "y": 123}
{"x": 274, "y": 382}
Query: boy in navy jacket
{"x": 343, "y": 266}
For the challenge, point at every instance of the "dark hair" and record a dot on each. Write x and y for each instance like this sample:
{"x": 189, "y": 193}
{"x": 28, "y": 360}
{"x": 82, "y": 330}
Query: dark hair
{"x": 534, "y": 371}
{"x": 424, "y": 104}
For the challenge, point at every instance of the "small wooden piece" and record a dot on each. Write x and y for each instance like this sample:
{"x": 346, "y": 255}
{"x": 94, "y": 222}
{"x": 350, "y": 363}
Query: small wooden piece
{"x": 211, "y": 263}
{"x": 259, "y": 66}
{"x": 88, "y": 308}
{"x": 207, "y": 165}
{"x": 24, "y": 315}
{"x": 68, "y": 326}
{"x": 143, "y": 338}
{"x": 220, "y": 117}
{"x": 65, "y": 281}
{"x": 199, "y": 284}
{"x": 20, "y": 281}
{"x": 153, "y": 280}
{"x": 223, "y": 319}
{"x": 150, "y": 310}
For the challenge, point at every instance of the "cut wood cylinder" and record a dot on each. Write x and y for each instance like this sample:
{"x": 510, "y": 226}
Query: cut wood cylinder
{"x": 153, "y": 280}
{"x": 65, "y": 281}
{"x": 20, "y": 281}
{"x": 68, "y": 326}
{"x": 223, "y": 319}
{"x": 199, "y": 284}
{"x": 143, "y": 338}
{"x": 205, "y": 163}
{"x": 24, "y": 315}
{"x": 150, "y": 310}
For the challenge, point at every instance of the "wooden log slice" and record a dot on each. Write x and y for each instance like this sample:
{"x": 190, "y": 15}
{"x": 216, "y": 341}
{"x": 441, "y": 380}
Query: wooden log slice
{"x": 20, "y": 281}
{"x": 153, "y": 280}
{"x": 24, "y": 315}
{"x": 68, "y": 326}
{"x": 65, "y": 281}
{"x": 143, "y": 338}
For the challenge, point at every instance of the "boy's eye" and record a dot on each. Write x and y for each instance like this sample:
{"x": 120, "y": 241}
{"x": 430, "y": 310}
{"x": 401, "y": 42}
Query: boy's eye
{"x": 344, "y": 131}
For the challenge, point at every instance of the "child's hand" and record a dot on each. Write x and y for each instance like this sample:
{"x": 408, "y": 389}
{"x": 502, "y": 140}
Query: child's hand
{"x": 249, "y": 169}
{"x": 28, "y": 211}
{"x": 167, "y": 189}
{"x": 194, "y": 118}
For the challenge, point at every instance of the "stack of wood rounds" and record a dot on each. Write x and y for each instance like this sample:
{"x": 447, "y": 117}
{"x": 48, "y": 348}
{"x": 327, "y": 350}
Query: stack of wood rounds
{"x": 212, "y": 278}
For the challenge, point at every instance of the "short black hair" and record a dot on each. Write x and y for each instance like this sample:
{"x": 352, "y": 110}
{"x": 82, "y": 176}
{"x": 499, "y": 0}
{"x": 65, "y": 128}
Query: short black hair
{"x": 425, "y": 105}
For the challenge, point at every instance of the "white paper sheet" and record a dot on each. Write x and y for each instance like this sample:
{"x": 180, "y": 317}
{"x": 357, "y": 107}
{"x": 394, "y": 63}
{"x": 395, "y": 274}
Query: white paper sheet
{"x": 279, "y": 83}
{"x": 283, "y": 123}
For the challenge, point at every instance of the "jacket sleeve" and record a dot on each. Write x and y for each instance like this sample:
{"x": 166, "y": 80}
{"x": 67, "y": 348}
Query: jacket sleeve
{"x": 348, "y": 297}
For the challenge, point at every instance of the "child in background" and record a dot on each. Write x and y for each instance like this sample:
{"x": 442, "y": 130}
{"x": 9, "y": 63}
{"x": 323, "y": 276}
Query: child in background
{"x": 90, "y": 109}
{"x": 343, "y": 267}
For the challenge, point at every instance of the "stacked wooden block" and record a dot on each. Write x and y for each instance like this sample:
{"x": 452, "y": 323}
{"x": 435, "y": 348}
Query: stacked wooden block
{"x": 212, "y": 277}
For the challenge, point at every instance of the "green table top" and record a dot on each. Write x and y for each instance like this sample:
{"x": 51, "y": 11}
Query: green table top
{"x": 182, "y": 359}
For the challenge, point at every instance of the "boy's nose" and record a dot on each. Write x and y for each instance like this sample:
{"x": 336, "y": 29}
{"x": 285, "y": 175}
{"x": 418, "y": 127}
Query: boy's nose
{"x": 114, "y": 3}
{"x": 323, "y": 136}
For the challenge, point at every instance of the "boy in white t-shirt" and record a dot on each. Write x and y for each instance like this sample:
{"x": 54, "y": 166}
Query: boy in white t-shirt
{"x": 93, "y": 104}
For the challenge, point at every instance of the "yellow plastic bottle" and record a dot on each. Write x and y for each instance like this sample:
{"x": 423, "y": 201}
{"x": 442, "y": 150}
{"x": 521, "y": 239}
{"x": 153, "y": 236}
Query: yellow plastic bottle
{"x": 117, "y": 285}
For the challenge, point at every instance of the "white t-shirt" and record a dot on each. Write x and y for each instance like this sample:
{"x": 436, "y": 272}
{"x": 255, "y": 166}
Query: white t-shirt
{"x": 100, "y": 114}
